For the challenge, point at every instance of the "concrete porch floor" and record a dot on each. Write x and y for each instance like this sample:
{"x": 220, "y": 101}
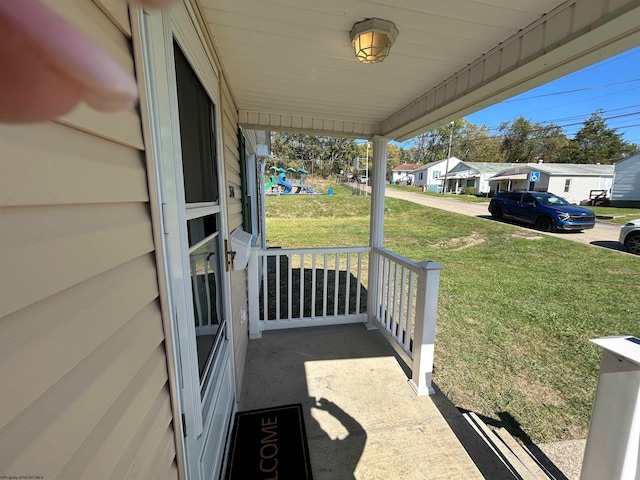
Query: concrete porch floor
{"x": 363, "y": 420}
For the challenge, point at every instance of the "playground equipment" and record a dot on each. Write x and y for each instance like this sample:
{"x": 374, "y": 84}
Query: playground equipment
{"x": 279, "y": 179}
{"x": 282, "y": 180}
{"x": 303, "y": 187}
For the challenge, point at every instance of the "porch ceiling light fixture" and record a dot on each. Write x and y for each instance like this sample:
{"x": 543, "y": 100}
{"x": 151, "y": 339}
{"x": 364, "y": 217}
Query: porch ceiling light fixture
{"x": 372, "y": 39}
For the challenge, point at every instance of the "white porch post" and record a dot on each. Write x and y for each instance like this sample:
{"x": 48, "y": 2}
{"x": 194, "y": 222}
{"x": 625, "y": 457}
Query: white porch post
{"x": 613, "y": 444}
{"x": 253, "y": 272}
{"x": 424, "y": 336}
{"x": 376, "y": 225}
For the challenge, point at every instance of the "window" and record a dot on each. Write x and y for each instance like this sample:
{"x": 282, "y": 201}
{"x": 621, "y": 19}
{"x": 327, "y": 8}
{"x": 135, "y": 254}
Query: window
{"x": 436, "y": 174}
{"x": 200, "y": 175}
{"x": 567, "y": 185}
{"x": 471, "y": 182}
{"x": 420, "y": 175}
{"x": 514, "y": 197}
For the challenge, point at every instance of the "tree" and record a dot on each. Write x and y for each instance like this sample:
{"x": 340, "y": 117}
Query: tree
{"x": 475, "y": 144}
{"x": 321, "y": 155}
{"x": 525, "y": 141}
{"x": 596, "y": 143}
{"x": 517, "y": 140}
{"x": 434, "y": 144}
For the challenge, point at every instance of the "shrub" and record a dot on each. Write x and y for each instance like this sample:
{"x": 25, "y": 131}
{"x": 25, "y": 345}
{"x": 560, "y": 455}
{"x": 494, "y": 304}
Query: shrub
{"x": 469, "y": 191}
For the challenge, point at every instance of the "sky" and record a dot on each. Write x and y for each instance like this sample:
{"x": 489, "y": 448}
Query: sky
{"x": 612, "y": 85}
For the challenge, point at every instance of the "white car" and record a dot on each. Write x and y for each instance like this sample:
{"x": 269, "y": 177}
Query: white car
{"x": 630, "y": 236}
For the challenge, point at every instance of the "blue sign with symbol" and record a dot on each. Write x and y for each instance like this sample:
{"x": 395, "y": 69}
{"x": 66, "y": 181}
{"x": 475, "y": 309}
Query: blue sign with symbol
{"x": 534, "y": 176}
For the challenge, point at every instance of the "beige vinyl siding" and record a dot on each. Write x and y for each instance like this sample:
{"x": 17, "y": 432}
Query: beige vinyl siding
{"x": 60, "y": 166}
{"x": 83, "y": 369}
{"x": 117, "y": 12}
{"x": 234, "y": 212}
{"x": 91, "y": 20}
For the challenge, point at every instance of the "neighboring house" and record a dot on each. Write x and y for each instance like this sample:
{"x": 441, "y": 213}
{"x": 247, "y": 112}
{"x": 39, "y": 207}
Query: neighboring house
{"x": 124, "y": 313}
{"x": 625, "y": 190}
{"x": 574, "y": 182}
{"x": 404, "y": 172}
{"x": 473, "y": 175}
{"x": 432, "y": 174}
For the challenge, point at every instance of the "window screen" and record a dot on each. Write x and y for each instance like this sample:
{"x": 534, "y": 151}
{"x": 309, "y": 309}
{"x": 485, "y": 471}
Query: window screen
{"x": 197, "y": 133}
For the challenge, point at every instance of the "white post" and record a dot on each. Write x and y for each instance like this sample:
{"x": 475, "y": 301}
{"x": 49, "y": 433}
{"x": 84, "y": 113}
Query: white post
{"x": 376, "y": 225}
{"x": 253, "y": 273}
{"x": 366, "y": 173}
{"x": 424, "y": 335}
{"x": 446, "y": 168}
{"x": 613, "y": 444}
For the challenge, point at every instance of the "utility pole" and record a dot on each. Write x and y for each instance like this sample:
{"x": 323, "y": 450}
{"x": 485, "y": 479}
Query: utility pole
{"x": 446, "y": 168}
{"x": 366, "y": 174}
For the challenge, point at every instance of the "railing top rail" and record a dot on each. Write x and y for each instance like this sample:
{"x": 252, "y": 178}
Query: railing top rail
{"x": 308, "y": 251}
{"x": 405, "y": 262}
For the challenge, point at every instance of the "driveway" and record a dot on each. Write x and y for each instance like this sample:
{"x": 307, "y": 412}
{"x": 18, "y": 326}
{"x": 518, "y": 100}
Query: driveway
{"x": 604, "y": 234}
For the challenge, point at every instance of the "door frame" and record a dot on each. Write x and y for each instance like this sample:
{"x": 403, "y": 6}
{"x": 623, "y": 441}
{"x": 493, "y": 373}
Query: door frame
{"x": 154, "y": 32}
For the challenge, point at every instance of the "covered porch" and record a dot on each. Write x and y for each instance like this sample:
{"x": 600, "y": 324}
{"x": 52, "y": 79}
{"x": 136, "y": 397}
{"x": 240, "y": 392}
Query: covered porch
{"x": 362, "y": 418}
{"x": 349, "y": 332}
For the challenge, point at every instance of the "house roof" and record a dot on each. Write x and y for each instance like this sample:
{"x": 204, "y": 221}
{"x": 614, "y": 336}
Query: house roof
{"x": 431, "y": 164}
{"x": 289, "y": 64}
{"x": 406, "y": 167}
{"x": 564, "y": 169}
{"x": 485, "y": 167}
{"x": 632, "y": 157}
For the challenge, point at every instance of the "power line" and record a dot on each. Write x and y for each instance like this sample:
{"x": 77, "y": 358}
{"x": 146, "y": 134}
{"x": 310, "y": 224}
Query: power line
{"x": 558, "y": 121}
{"x": 605, "y": 62}
{"x": 576, "y": 117}
{"x": 565, "y": 92}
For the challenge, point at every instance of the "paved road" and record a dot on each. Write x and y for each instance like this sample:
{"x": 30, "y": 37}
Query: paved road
{"x": 604, "y": 234}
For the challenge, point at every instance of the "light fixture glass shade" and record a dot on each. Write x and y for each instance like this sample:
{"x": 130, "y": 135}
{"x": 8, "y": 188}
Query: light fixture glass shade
{"x": 372, "y": 39}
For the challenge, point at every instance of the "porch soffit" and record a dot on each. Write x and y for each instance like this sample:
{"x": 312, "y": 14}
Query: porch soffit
{"x": 291, "y": 67}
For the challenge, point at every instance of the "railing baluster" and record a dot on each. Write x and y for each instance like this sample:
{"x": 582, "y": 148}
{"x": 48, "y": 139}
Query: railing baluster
{"x": 396, "y": 320}
{"x": 348, "y": 285}
{"x": 411, "y": 296}
{"x": 277, "y": 287}
{"x": 313, "y": 285}
{"x": 265, "y": 289}
{"x": 289, "y": 287}
{"x": 301, "y": 286}
{"x": 381, "y": 288}
{"x": 359, "y": 282}
{"x": 324, "y": 287}
{"x": 336, "y": 285}
{"x": 381, "y": 279}
{"x": 388, "y": 305}
{"x": 402, "y": 332}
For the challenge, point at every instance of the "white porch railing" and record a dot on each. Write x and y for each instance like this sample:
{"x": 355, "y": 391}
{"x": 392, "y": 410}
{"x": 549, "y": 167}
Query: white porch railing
{"x": 407, "y": 305}
{"x": 290, "y": 288}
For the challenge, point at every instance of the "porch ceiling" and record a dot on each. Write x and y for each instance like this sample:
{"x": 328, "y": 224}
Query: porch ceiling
{"x": 291, "y": 66}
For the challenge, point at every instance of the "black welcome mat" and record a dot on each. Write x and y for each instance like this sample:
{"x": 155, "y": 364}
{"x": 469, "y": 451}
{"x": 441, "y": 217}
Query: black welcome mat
{"x": 269, "y": 443}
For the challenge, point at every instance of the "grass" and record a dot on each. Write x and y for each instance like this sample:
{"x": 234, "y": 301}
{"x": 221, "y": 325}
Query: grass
{"x": 615, "y": 211}
{"x": 516, "y": 311}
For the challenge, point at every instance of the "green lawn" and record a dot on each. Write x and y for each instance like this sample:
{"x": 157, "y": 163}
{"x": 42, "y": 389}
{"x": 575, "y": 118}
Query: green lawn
{"x": 516, "y": 311}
